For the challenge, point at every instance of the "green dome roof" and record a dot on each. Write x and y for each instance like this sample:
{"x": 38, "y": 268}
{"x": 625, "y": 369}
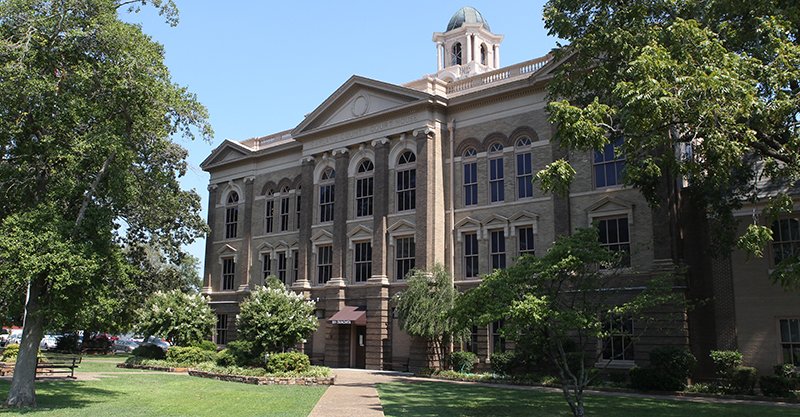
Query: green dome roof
{"x": 466, "y": 15}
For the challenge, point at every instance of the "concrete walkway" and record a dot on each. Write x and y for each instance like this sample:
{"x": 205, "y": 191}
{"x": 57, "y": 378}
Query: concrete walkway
{"x": 354, "y": 394}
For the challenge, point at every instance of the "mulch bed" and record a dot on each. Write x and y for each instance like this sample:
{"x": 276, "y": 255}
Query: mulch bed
{"x": 264, "y": 380}
{"x": 151, "y": 368}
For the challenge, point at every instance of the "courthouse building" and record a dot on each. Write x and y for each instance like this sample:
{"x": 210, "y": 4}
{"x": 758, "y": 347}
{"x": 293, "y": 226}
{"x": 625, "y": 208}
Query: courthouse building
{"x": 382, "y": 178}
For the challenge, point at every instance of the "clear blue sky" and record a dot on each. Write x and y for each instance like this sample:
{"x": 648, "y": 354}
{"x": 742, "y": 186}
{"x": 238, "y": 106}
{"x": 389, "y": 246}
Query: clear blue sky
{"x": 260, "y": 66}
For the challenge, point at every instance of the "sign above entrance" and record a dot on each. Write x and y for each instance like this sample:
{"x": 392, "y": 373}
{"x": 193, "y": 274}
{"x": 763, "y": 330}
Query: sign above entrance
{"x": 350, "y": 315}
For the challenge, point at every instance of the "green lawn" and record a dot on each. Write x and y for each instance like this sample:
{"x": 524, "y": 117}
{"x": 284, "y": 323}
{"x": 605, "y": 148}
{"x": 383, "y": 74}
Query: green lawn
{"x": 133, "y": 393}
{"x": 421, "y": 399}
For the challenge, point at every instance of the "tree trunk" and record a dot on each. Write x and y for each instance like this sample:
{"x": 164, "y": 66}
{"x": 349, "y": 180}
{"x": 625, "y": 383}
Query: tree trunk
{"x": 22, "y": 392}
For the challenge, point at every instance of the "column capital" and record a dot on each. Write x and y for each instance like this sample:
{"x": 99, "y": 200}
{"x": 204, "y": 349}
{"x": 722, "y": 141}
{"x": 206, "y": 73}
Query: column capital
{"x": 426, "y": 131}
{"x": 212, "y": 187}
{"x": 307, "y": 160}
{"x": 380, "y": 142}
{"x": 249, "y": 180}
{"x": 339, "y": 152}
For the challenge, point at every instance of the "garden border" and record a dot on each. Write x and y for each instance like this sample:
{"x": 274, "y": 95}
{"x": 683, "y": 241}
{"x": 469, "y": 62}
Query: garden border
{"x": 151, "y": 368}
{"x": 265, "y": 380}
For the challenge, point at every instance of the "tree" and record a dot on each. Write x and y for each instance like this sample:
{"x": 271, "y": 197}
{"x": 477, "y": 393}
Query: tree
{"x": 702, "y": 91}
{"x": 424, "y": 308}
{"x": 564, "y": 300}
{"x": 274, "y": 318}
{"x": 86, "y": 165}
{"x": 181, "y": 318}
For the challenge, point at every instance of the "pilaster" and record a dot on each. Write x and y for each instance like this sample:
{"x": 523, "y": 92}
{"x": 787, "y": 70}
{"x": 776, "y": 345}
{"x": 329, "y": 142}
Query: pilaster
{"x": 247, "y": 236}
{"x": 380, "y": 207}
{"x": 430, "y": 200}
{"x": 341, "y": 198}
{"x": 306, "y": 212}
{"x": 378, "y": 346}
{"x": 209, "y": 261}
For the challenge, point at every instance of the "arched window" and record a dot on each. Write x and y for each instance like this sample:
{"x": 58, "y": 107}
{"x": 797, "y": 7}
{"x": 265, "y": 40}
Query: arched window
{"x": 524, "y": 167}
{"x": 269, "y": 211}
{"x": 285, "y": 208}
{"x": 457, "y": 54}
{"x": 364, "y": 182}
{"x": 496, "y": 175}
{"x": 232, "y": 215}
{"x": 406, "y": 181}
{"x": 470, "y": 177}
{"x": 483, "y": 54}
{"x": 326, "y": 195}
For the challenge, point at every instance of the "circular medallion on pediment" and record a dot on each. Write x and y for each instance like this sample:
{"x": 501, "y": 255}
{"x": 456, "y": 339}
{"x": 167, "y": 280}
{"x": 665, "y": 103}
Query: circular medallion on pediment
{"x": 360, "y": 106}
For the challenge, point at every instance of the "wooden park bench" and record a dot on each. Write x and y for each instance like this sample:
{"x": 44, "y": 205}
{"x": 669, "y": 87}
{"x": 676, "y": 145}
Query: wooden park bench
{"x": 57, "y": 364}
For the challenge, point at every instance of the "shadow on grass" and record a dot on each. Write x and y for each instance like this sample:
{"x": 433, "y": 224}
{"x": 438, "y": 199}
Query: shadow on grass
{"x": 443, "y": 399}
{"x": 59, "y": 395}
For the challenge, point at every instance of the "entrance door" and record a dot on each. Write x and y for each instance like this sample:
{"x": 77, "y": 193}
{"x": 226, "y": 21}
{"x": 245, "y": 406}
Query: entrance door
{"x": 361, "y": 347}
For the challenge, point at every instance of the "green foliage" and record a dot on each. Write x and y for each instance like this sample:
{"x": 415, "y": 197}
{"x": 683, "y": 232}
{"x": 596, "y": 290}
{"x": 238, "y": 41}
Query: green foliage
{"x": 10, "y": 353}
{"x": 424, "y": 308}
{"x": 463, "y": 361}
{"x": 787, "y": 370}
{"x": 651, "y": 379}
{"x": 205, "y": 345}
{"x": 718, "y": 77}
{"x": 556, "y": 177}
{"x": 673, "y": 365}
{"x": 288, "y": 362}
{"x": 182, "y": 318}
{"x": 243, "y": 353}
{"x": 148, "y": 351}
{"x": 68, "y": 343}
{"x": 225, "y": 358}
{"x": 502, "y": 363}
{"x": 726, "y": 362}
{"x": 311, "y": 372}
{"x": 776, "y": 386}
{"x": 275, "y": 318}
{"x": 755, "y": 239}
{"x": 743, "y": 381}
{"x": 190, "y": 355}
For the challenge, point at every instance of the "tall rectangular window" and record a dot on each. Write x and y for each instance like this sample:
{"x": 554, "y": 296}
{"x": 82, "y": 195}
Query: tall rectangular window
{"x": 498, "y": 249}
{"x": 326, "y": 195}
{"x": 525, "y": 241}
{"x": 404, "y": 256}
{"x": 231, "y": 222}
{"x": 786, "y": 239}
{"x": 496, "y": 182}
{"x": 524, "y": 175}
{"x": 284, "y": 214}
{"x": 228, "y": 273}
{"x": 470, "y": 255}
{"x": 790, "y": 341}
{"x": 297, "y": 208}
{"x": 618, "y": 344}
{"x": 609, "y": 165}
{"x": 282, "y": 263}
{"x": 472, "y": 342}
{"x": 269, "y": 216}
{"x": 614, "y": 236}
{"x": 222, "y": 329}
{"x": 498, "y": 341}
{"x": 324, "y": 263}
{"x": 295, "y": 264}
{"x": 406, "y": 189}
{"x": 470, "y": 183}
{"x": 363, "y": 261}
{"x": 364, "y": 197}
{"x": 266, "y": 266}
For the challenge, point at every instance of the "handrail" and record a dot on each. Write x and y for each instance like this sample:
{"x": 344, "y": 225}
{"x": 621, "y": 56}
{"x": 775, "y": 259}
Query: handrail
{"x": 527, "y": 67}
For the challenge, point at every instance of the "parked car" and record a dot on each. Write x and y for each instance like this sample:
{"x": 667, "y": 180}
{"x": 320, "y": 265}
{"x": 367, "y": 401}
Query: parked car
{"x": 124, "y": 346}
{"x": 153, "y": 340}
{"x": 3, "y": 337}
{"x": 48, "y": 342}
{"x": 14, "y": 339}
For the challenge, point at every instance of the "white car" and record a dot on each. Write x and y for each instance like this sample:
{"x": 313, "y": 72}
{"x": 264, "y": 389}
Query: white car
{"x": 48, "y": 342}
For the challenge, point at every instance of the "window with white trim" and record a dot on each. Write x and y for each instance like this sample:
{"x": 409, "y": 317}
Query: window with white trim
{"x": 456, "y": 54}
{"x": 269, "y": 213}
{"x": 222, "y": 329}
{"x": 266, "y": 266}
{"x": 525, "y": 244}
{"x": 785, "y": 239}
{"x": 496, "y": 175}
{"x": 497, "y": 249}
{"x": 609, "y": 165}
{"x": 498, "y": 340}
{"x": 285, "y": 213}
{"x": 470, "y": 255}
{"x": 282, "y": 264}
{"x": 470, "y": 177}
{"x": 406, "y": 181}
{"x": 364, "y": 185}
{"x": 618, "y": 343}
{"x": 614, "y": 236}
{"x": 295, "y": 264}
{"x": 228, "y": 273}
{"x": 232, "y": 215}
{"x": 524, "y": 168}
{"x": 362, "y": 261}
{"x": 324, "y": 263}
{"x": 790, "y": 341}
{"x": 404, "y": 256}
{"x": 326, "y": 195}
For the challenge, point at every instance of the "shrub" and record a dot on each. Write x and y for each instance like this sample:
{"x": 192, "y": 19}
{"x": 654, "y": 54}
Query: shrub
{"x": 181, "y": 318}
{"x": 288, "y": 362}
{"x": 190, "y": 355}
{"x": 462, "y": 361}
{"x": 776, "y": 386}
{"x": 502, "y": 363}
{"x": 10, "y": 353}
{"x": 68, "y": 343}
{"x": 743, "y": 381}
{"x": 243, "y": 353}
{"x": 148, "y": 351}
{"x": 205, "y": 345}
{"x": 787, "y": 370}
{"x": 726, "y": 362}
{"x": 225, "y": 358}
{"x": 652, "y": 379}
{"x": 674, "y": 365}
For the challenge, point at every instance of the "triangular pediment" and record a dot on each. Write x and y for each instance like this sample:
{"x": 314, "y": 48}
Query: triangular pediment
{"x": 357, "y": 98}
{"x": 467, "y": 223}
{"x": 227, "y": 151}
{"x": 609, "y": 204}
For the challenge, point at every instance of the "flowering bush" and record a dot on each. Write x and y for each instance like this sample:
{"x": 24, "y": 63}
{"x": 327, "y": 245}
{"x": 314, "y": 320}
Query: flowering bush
{"x": 274, "y": 318}
{"x": 182, "y": 318}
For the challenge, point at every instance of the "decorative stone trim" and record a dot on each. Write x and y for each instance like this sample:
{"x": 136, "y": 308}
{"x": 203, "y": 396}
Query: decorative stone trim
{"x": 151, "y": 368}
{"x": 264, "y": 380}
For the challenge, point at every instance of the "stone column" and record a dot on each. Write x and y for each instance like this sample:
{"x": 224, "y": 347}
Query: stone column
{"x": 497, "y": 56}
{"x": 377, "y": 322}
{"x": 247, "y": 236}
{"x": 562, "y": 222}
{"x": 340, "y": 214}
{"x": 429, "y": 217}
{"x": 380, "y": 208}
{"x": 439, "y": 49}
{"x": 467, "y": 52}
{"x": 304, "y": 247}
{"x": 210, "y": 236}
